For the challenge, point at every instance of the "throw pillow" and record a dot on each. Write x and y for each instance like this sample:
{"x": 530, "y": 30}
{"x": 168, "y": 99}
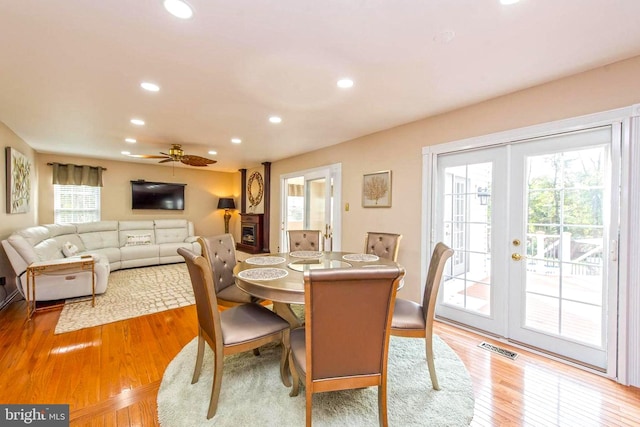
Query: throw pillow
{"x": 138, "y": 239}
{"x": 69, "y": 249}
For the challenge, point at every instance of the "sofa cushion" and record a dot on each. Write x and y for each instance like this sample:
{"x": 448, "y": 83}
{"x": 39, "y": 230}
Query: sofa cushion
{"x": 171, "y": 235}
{"x": 128, "y": 253}
{"x": 98, "y": 235}
{"x": 48, "y": 249}
{"x": 111, "y": 254}
{"x": 60, "y": 229}
{"x": 35, "y": 235}
{"x": 74, "y": 239}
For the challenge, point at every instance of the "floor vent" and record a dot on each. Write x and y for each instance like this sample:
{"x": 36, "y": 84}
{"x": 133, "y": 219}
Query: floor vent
{"x": 501, "y": 351}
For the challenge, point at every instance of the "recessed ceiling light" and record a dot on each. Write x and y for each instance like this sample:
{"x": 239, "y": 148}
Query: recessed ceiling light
{"x": 345, "y": 83}
{"x": 237, "y": 140}
{"x": 213, "y": 152}
{"x": 126, "y": 153}
{"x": 178, "y": 8}
{"x": 275, "y": 119}
{"x": 137, "y": 122}
{"x": 507, "y": 2}
{"x": 151, "y": 87}
{"x": 130, "y": 140}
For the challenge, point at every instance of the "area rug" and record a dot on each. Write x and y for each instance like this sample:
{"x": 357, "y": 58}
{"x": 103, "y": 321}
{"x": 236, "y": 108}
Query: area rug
{"x": 252, "y": 393}
{"x": 130, "y": 293}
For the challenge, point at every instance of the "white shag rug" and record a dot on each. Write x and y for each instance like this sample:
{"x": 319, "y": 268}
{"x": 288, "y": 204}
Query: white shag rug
{"x": 130, "y": 293}
{"x": 253, "y": 395}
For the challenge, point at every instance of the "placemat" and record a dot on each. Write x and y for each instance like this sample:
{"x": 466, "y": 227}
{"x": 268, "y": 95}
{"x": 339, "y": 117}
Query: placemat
{"x": 263, "y": 273}
{"x": 264, "y": 260}
{"x": 361, "y": 257}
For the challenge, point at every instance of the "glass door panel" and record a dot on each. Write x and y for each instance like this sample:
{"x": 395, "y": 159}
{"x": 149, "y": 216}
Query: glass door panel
{"x": 309, "y": 203}
{"x": 466, "y": 214}
{"x": 560, "y": 285}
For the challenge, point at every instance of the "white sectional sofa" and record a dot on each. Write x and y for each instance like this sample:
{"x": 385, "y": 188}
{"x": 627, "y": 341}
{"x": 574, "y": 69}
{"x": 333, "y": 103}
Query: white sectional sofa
{"x": 113, "y": 244}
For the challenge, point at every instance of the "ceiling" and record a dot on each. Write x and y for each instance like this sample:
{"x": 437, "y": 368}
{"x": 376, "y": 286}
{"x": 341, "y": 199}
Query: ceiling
{"x": 70, "y": 70}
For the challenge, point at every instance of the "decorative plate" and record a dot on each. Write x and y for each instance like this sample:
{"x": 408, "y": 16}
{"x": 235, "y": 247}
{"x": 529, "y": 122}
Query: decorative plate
{"x": 263, "y": 273}
{"x": 265, "y": 260}
{"x": 306, "y": 254}
{"x": 361, "y": 257}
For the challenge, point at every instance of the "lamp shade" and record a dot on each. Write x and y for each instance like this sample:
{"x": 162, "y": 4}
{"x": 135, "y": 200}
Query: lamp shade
{"x": 226, "y": 203}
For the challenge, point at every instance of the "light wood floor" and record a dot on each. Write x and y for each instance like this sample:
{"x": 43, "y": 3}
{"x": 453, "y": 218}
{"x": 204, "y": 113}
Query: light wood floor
{"x": 110, "y": 374}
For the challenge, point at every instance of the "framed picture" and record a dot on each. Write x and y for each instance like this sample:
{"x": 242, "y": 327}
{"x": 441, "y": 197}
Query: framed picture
{"x": 376, "y": 190}
{"x": 18, "y": 181}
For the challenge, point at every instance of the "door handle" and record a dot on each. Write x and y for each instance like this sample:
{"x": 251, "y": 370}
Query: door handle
{"x": 516, "y": 256}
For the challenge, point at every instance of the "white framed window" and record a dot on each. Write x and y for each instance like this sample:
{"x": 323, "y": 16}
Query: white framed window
{"x": 76, "y": 203}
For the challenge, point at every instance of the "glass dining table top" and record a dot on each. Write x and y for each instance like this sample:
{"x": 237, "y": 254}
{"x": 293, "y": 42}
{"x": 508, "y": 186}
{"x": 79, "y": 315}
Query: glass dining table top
{"x": 280, "y": 277}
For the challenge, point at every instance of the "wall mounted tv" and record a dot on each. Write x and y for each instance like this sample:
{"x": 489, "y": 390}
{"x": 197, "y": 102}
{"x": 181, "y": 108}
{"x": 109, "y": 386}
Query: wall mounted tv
{"x": 157, "y": 195}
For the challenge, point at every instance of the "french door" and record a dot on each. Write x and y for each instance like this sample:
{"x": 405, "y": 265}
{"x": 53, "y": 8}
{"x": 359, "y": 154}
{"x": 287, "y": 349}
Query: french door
{"x": 311, "y": 201}
{"x": 534, "y": 228}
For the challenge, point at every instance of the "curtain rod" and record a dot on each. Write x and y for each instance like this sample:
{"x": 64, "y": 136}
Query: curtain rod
{"x": 65, "y": 164}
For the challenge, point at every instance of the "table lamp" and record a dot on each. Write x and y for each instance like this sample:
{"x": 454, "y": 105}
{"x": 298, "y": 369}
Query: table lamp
{"x": 226, "y": 203}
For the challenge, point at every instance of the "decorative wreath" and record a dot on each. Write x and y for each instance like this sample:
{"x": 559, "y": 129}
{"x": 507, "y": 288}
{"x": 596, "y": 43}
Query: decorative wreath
{"x": 255, "y": 199}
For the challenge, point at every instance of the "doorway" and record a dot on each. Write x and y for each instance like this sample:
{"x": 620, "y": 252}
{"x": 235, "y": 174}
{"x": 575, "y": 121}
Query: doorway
{"x": 534, "y": 226}
{"x": 311, "y": 200}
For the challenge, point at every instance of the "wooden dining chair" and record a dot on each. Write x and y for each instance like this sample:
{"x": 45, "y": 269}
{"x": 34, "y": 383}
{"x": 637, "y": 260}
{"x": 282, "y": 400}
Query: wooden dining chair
{"x": 414, "y": 320}
{"x": 384, "y": 245}
{"x": 234, "y": 330}
{"x": 304, "y": 240}
{"x": 220, "y": 251}
{"x": 345, "y": 342}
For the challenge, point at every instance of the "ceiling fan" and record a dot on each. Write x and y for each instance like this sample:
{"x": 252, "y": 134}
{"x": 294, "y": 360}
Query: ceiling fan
{"x": 176, "y": 154}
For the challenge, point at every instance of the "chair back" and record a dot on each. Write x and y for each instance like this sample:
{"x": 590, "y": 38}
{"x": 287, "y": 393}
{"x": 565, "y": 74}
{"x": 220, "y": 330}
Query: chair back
{"x": 304, "y": 240}
{"x": 205, "y": 296}
{"x": 348, "y": 320}
{"x": 384, "y": 245}
{"x": 220, "y": 252}
{"x": 441, "y": 253}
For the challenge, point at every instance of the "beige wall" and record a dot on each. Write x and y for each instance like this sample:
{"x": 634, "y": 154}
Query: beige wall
{"x": 10, "y": 222}
{"x": 400, "y": 150}
{"x": 203, "y": 189}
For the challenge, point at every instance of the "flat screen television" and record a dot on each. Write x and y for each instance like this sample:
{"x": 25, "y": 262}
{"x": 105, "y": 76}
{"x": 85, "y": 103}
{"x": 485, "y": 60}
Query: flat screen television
{"x": 157, "y": 195}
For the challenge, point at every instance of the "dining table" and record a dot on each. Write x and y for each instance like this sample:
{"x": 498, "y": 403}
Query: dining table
{"x": 279, "y": 277}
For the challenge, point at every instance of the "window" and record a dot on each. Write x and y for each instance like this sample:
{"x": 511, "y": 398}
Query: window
{"x": 76, "y": 203}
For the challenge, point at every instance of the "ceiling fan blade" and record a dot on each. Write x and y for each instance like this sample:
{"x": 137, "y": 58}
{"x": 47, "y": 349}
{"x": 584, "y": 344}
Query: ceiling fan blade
{"x": 196, "y": 161}
{"x": 166, "y": 160}
{"x": 146, "y": 156}
{"x": 169, "y": 155}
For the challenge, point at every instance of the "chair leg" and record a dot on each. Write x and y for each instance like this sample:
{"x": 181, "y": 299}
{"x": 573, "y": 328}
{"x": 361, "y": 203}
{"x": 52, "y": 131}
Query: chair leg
{"x": 432, "y": 367}
{"x": 284, "y": 374}
{"x": 218, "y": 366}
{"x": 295, "y": 378}
{"x": 256, "y": 351}
{"x": 199, "y": 358}
{"x": 382, "y": 405}
{"x": 309, "y": 395}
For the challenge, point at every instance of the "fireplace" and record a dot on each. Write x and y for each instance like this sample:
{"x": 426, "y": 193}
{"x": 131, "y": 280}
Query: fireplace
{"x": 251, "y": 233}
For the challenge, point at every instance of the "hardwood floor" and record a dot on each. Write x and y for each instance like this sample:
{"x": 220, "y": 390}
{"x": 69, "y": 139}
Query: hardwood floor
{"x": 109, "y": 375}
